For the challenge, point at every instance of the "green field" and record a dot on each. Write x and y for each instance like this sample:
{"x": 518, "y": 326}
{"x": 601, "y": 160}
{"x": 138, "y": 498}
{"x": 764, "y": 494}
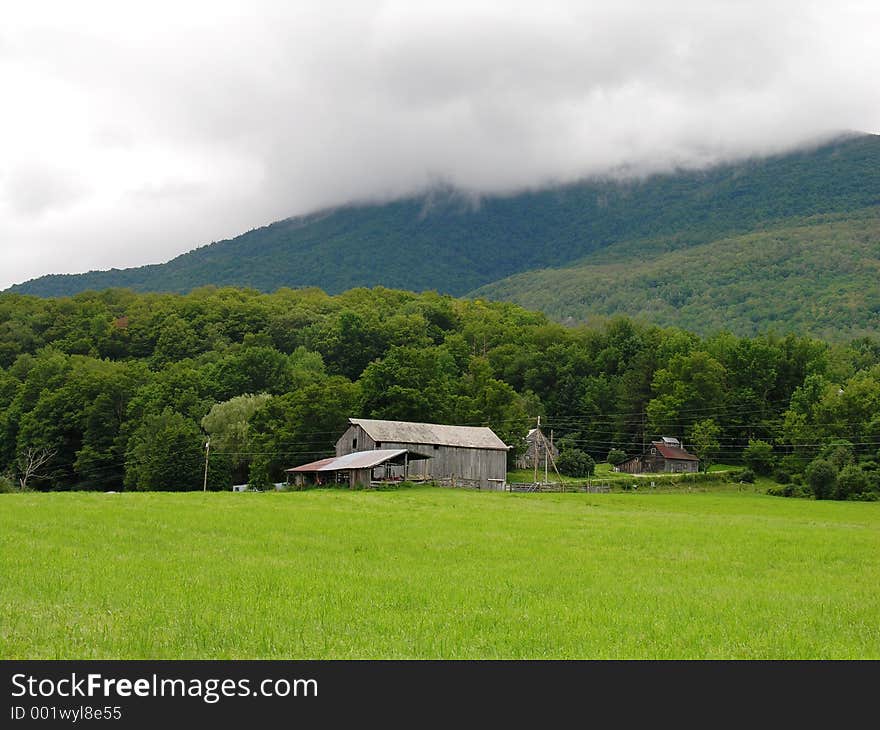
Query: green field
{"x": 431, "y": 573}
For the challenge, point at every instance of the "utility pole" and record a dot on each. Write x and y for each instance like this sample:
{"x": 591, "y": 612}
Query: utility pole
{"x": 207, "y": 452}
{"x": 546, "y": 451}
{"x": 535, "y": 447}
{"x": 552, "y": 461}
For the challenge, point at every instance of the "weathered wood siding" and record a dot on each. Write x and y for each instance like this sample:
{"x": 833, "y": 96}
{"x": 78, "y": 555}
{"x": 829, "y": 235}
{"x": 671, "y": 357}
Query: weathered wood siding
{"x": 656, "y": 464}
{"x": 681, "y": 465}
{"x": 533, "y": 450}
{"x": 360, "y": 477}
{"x": 354, "y": 439}
{"x": 446, "y": 462}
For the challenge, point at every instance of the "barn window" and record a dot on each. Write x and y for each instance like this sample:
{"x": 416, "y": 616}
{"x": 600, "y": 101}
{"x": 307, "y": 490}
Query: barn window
{"x": 378, "y": 444}
{"x": 436, "y": 447}
{"x": 653, "y": 451}
{"x": 354, "y": 443}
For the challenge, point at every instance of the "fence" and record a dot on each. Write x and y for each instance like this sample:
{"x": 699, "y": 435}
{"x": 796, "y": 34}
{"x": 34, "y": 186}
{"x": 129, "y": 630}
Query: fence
{"x": 459, "y": 483}
{"x": 591, "y": 487}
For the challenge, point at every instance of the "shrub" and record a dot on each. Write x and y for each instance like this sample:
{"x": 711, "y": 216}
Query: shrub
{"x": 258, "y": 474}
{"x": 850, "y": 482}
{"x": 758, "y": 455}
{"x": 747, "y": 476}
{"x": 7, "y": 485}
{"x": 576, "y": 463}
{"x": 616, "y": 456}
{"x": 872, "y": 474}
{"x": 839, "y": 453}
{"x": 821, "y": 477}
{"x": 789, "y": 490}
{"x": 793, "y": 464}
{"x": 780, "y": 476}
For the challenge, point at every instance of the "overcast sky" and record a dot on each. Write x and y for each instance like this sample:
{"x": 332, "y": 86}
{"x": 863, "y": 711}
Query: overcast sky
{"x": 131, "y": 132}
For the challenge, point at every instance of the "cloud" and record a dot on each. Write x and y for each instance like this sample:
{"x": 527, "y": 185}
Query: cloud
{"x": 137, "y": 131}
{"x": 31, "y": 191}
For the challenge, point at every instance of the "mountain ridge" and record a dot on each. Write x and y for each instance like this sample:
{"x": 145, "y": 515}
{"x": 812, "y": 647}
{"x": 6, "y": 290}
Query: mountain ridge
{"x": 681, "y": 248}
{"x": 439, "y": 243}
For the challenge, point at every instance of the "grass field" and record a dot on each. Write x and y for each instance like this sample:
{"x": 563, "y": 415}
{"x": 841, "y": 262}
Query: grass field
{"x": 431, "y": 573}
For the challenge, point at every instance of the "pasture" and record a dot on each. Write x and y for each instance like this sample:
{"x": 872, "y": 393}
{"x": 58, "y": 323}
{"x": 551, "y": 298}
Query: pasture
{"x": 433, "y": 573}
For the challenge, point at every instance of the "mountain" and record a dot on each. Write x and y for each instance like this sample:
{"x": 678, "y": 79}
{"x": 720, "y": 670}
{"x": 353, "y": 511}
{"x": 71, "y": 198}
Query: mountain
{"x": 815, "y": 275}
{"x": 597, "y": 246}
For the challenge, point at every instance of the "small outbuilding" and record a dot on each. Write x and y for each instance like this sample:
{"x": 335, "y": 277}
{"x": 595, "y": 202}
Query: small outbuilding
{"x": 665, "y": 455}
{"x": 538, "y": 447}
{"x": 356, "y": 468}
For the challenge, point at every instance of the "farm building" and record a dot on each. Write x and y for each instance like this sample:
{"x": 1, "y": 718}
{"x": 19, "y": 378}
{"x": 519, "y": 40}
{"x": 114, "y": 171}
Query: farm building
{"x": 537, "y": 447}
{"x": 467, "y": 455}
{"x": 359, "y": 467}
{"x": 665, "y": 455}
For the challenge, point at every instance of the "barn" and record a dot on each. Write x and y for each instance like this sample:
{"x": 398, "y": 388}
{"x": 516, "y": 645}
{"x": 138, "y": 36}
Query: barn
{"x": 665, "y": 455}
{"x": 464, "y": 455}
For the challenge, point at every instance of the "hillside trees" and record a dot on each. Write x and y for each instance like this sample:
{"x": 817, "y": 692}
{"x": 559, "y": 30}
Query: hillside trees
{"x": 229, "y": 426}
{"x": 703, "y": 436}
{"x": 165, "y": 452}
{"x": 282, "y": 372}
{"x": 302, "y": 425}
{"x": 821, "y": 476}
{"x": 758, "y": 456}
{"x": 689, "y": 384}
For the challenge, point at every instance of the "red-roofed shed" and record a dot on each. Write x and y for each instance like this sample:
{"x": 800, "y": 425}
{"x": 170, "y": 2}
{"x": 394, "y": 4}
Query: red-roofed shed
{"x": 665, "y": 455}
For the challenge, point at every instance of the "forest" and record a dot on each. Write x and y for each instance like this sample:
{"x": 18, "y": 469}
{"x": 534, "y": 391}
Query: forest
{"x": 118, "y": 390}
{"x": 813, "y": 276}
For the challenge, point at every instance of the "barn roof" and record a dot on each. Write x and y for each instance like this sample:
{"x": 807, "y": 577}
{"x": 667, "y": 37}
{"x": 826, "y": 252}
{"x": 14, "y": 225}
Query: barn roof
{"x": 673, "y": 452}
{"x": 405, "y": 432}
{"x": 356, "y": 460}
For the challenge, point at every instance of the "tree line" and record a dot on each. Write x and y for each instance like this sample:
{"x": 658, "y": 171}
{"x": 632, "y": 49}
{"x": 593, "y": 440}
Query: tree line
{"x": 118, "y": 390}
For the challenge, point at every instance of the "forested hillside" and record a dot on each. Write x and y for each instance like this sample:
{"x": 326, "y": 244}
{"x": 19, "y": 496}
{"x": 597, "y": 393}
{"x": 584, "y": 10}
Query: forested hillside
{"x": 120, "y": 390}
{"x": 813, "y": 275}
{"x": 449, "y": 242}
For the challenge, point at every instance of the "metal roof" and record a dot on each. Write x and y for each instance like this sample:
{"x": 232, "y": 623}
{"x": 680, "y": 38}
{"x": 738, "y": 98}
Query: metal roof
{"x": 673, "y": 452}
{"x": 356, "y": 460}
{"x": 405, "y": 432}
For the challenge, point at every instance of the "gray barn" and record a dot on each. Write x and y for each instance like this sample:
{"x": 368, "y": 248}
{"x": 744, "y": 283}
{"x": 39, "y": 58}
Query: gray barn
{"x": 470, "y": 455}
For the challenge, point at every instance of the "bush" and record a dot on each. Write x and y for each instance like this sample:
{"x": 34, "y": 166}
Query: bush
{"x": 839, "y": 453}
{"x": 576, "y": 463}
{"x": 747, "y": 476}
{"x": 851, "y": 481}
{"x": 7, "y": 486}
{"x": 872, "y": 474}
{"x": 780, "y": 476}
{"x": 789, "y": 490}
{"x": 616, "y": 456}
{"x": 258, "y": 474}
{"x": 821, "y": 477}
{"x": 793, "y": 464}
{"x": 758, "y": 455}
